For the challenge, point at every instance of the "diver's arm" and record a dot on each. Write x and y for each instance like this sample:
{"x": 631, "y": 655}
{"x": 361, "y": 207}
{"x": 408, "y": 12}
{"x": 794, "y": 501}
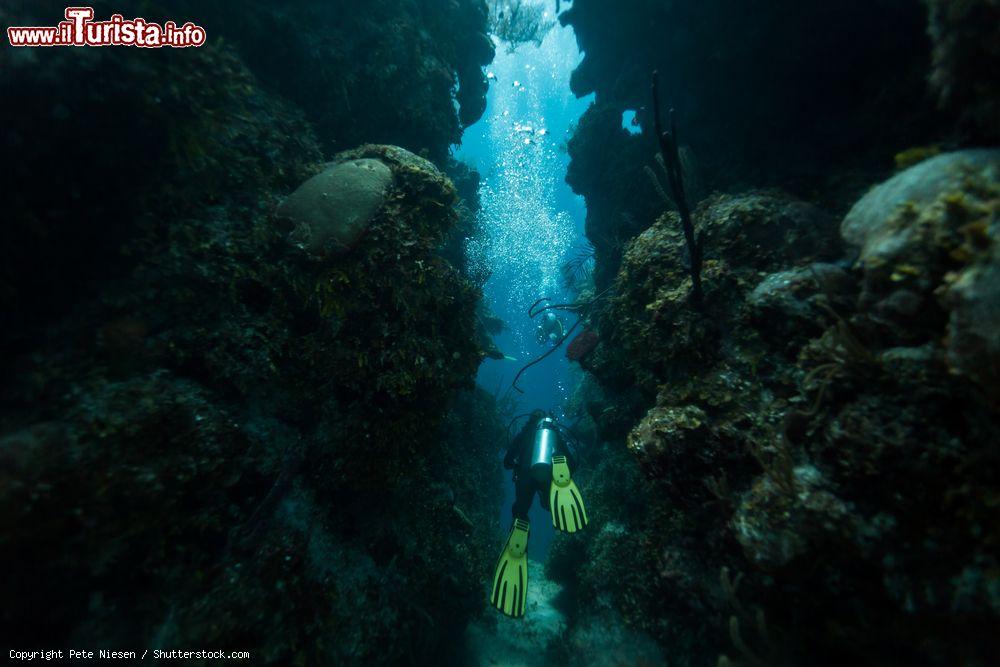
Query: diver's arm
{"x": 510, "y": 460}
{"x": 517, "y": 447}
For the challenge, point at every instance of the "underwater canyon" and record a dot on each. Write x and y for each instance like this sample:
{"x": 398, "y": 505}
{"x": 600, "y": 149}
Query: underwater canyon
{"x": 276, "y": 307}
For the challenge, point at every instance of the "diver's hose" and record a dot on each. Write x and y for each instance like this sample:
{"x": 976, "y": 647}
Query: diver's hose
{"x": 511, "y": 423}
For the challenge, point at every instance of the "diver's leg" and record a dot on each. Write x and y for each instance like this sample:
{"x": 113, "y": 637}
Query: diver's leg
{"x": 524, "y": 494}
{"x": 543, "y": 496}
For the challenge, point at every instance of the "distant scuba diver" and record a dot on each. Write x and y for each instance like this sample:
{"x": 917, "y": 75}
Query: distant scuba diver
{"x": 540, "y": 460}
{"x": 550, "y": 330}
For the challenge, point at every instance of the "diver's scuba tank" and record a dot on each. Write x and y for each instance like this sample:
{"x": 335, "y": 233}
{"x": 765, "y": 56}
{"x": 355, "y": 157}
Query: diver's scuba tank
{"x": 546, "y": 438}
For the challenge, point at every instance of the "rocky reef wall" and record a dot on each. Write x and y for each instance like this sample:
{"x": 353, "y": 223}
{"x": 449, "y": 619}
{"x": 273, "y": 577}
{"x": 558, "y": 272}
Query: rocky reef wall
{"x": 402, "y": 73}
{"x": 801, "y": 469}
{"x": 814, "y": 98}
{"x": 227, "y": 421}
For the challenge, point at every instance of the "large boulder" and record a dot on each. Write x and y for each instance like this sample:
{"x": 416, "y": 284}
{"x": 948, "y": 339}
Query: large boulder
{"x": 331, "y": 210}
{"x": 868, "y": 224}
{"x": 927, "y": 250}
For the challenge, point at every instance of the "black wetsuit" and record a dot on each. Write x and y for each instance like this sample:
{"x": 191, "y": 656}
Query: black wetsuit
{"x": 518, "y": 459}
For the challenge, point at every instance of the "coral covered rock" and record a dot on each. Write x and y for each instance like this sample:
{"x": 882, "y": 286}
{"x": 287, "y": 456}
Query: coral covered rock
{"x": 668, "y": 434}
{"x": 973, "y": 299}
{"x": 776, "y": 525}
{"x": 807, "y": 424}
{"x": 765, "y": 230}
{"x": 209, "y": 431}
{"x": 868, "y": 224}
{"x": 788, "y": 307}
{"x": 212, "y": 134}
{"x": 650, "y": 318}
{"x": 817, "y": 440}
{"x": 927, "y": 249}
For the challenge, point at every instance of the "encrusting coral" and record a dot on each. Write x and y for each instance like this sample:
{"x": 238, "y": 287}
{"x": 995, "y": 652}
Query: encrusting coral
{"x": 799, "y": 440}
{"x": 823, "y": 435}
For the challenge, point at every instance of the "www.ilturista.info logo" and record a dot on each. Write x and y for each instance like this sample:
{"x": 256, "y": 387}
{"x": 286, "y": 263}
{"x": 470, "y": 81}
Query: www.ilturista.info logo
{"x": 80, "y": 29}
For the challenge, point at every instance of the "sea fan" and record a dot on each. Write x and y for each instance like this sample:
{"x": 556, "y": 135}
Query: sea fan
{"x": 578, "y": 270}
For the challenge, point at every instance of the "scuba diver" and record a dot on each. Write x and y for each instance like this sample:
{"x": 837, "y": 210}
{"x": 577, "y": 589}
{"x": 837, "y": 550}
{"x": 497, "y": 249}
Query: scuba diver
{"x": 540, "y": 460}
{"x": 550, "y": 330}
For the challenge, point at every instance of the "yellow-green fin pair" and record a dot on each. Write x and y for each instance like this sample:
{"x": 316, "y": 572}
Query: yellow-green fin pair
{"x": 565, "y": 501}
{"x": 510, "y": 580}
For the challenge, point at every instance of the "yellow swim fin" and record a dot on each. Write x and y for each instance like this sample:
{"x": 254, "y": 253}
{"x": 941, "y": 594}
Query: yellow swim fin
{"x": 510, "y": 580}
{"x": 565, "y": 501}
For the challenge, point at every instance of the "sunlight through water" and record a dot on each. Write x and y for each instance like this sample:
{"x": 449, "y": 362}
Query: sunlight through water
{"x": 531, "y": 220}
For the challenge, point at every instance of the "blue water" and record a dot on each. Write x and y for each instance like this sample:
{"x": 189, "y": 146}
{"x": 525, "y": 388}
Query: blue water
{"x": 630, "y": 122}
{"x": 532, "y": 220}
